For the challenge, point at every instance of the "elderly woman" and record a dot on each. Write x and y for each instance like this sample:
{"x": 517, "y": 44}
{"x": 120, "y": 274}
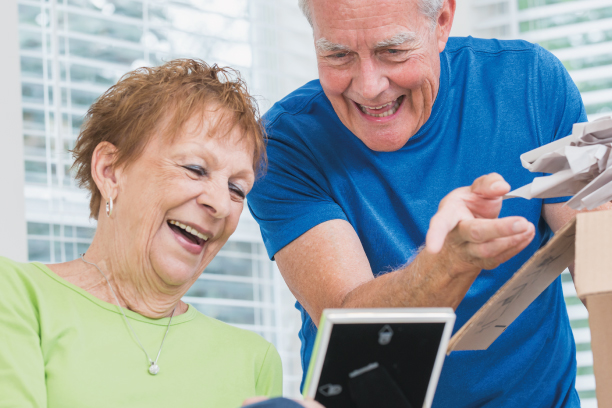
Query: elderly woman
{"x": 168, "y": 155}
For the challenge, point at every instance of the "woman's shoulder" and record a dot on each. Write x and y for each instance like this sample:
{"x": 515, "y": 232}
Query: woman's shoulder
{"x": 22, "y": 287}
{"x": 246, "y": 351}
{"x": 232, "y": 337}
{"x": 18, "y": 274}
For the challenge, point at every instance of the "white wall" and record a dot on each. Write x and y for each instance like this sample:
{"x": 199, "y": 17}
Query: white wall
{"x": 13, "y": 241}
{"x": 462, "y": 25}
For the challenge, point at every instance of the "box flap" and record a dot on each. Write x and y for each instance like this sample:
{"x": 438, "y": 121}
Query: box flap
{"x": 593, "y": 253}
{"x": 523, "y": 288}
{"x": 600, "y": 322}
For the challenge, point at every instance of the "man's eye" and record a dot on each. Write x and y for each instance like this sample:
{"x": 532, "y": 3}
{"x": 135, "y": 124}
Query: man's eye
{"x": 195, "y": 169}
{"x": 394, "y": 53}
{"x": 339, "y": 55}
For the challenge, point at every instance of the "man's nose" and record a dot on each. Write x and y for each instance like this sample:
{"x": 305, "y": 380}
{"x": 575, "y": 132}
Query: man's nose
{"x": 370, "y": 79}
{"x": 216, "y": 199}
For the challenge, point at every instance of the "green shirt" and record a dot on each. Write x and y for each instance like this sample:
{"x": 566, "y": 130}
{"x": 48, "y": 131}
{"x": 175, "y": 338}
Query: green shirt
{"x": 62, "y": 347}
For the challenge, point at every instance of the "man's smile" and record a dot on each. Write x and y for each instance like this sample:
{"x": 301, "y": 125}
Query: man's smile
{"x": 381, "y": 111}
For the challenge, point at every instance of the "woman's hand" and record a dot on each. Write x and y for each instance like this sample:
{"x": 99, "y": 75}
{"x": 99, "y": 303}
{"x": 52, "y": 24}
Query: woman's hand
{"x": 307, "y": 404}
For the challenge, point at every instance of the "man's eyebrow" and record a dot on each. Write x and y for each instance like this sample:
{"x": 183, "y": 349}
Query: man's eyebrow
{"x": 398, "y": 39}
{"x": 324, "y": 45}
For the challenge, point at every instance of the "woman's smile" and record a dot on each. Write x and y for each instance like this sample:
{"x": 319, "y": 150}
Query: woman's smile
{"x": 190, "y": 238}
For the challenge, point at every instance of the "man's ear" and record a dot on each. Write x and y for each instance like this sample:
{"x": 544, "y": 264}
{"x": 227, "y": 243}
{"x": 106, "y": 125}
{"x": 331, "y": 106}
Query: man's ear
{"x": 445, "y": 22}
{"x": 104, "y": 172}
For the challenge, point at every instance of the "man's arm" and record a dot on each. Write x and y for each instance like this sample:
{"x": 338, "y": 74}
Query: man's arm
{"x": 557, "y": 215}
{"x": 327, "y": 267}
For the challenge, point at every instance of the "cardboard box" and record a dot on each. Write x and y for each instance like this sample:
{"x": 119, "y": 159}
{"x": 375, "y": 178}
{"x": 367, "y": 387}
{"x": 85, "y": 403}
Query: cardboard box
{"x": 587, "y": 240}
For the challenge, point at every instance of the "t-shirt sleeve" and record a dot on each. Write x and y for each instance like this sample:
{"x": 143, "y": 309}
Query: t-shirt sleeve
{"x": 22, "y": 370}
{"x": 558, "y": 103}
{"x": 294, "y": 194}
{"x": 270, "y": 379}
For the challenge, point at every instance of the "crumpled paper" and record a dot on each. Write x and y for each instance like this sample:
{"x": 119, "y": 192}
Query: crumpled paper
{"x": 580, "y": 165}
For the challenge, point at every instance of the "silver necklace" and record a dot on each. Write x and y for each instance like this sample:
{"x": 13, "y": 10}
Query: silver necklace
{"x": 153, "y": 367}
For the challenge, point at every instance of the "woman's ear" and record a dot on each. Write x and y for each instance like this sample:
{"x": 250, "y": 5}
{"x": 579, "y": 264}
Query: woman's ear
{"x": 104, "y": 171}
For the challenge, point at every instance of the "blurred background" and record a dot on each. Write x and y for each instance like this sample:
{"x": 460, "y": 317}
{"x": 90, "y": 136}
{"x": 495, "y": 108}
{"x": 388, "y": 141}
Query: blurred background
{"x": 60, "y": 55}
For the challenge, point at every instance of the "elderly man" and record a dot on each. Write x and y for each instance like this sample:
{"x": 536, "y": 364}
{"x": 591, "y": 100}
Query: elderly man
{"x": 401, "y": 117}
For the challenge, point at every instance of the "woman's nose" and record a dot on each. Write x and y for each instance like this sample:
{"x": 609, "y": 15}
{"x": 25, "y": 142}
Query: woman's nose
{"x": 216, "y": 198}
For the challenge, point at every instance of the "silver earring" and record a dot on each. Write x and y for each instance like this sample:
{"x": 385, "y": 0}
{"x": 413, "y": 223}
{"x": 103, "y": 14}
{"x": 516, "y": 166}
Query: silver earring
{"x": 109, "y": 207}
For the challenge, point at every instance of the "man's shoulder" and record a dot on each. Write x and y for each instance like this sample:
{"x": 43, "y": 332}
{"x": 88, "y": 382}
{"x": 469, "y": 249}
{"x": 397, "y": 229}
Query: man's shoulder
{"x": 295, "y": 103}
{"x": 503, "y": 60}
{"x": 489, "y": 46}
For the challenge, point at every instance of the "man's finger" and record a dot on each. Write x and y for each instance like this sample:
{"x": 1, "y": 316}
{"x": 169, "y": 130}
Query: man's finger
{"x": 490, "y": 186}
{"x": 443, "y": 222}
{"x": 494, "y": 249}
{"x": 480, "y": 230}
{"x": 509, "y": 253}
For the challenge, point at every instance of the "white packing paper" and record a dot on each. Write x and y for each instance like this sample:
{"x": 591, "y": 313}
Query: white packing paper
{"x": 580, "y": 166}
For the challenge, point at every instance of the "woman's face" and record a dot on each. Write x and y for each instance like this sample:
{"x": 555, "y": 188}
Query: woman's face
{"x": 181, "y": 200}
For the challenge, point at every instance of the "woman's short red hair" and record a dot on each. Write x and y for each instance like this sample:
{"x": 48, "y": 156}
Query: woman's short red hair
{"x": 131, "y": 112}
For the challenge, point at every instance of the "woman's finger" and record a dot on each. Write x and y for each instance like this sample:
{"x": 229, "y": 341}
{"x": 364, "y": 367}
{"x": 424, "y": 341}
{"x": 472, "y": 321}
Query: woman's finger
{"x": 253, "y": 400}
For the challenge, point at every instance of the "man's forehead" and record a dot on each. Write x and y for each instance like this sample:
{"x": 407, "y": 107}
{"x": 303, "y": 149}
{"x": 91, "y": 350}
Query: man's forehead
{"x": 362, "y": 14}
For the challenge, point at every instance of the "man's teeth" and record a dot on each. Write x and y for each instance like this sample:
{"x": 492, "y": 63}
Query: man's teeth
{"x": 391, "y": 111}
{"x": 190, "y": 230}
{"x": 381, "y": 106}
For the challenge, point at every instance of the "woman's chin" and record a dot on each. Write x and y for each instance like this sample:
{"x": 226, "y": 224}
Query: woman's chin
{"x": 174, "y": 264}
{"x": 177, "y": 272}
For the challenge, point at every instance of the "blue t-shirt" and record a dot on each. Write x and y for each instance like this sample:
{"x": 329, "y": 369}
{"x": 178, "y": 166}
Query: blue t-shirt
{"x": 497, "y": 100}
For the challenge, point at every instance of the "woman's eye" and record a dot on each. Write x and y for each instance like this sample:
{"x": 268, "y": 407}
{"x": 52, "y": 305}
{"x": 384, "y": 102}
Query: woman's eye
{"x": 195, "y": 169}
{"x": 237, "y": 190}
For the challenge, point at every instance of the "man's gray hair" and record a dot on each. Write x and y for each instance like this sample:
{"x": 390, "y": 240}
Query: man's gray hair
{"x": 429, "y": 8}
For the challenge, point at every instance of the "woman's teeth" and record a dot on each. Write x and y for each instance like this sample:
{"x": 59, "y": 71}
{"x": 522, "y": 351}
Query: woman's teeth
{"x": 190, "y": 230}
{"x": 396, "y": 104}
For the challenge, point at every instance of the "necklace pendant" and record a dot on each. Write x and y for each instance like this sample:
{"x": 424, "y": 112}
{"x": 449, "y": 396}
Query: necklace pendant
{"x": 153, "y": 369}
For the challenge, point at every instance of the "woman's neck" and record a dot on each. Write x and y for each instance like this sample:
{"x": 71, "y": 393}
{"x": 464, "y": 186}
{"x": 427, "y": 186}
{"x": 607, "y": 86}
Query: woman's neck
{"x": 136, "y": 289}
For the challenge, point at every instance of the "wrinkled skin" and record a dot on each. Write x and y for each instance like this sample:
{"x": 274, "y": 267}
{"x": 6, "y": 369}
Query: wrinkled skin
{"x": 198, "y": 179}
{"x": 365, "y": 74}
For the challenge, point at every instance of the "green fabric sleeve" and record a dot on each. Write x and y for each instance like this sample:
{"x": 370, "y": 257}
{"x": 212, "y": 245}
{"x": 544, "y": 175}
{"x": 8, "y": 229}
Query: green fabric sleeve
{"x": 270, "y": 379}
{"x": 22, "y": 369}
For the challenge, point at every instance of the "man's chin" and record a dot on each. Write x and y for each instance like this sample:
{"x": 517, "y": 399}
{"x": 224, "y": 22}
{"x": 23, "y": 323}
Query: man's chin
{"x": 383, "y": 141}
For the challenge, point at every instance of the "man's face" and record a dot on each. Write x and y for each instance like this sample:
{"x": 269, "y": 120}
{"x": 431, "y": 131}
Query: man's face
{"x": 379, "y": 65}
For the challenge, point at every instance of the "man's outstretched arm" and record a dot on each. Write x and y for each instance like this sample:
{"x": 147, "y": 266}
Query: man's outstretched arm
{"x": 557, "y": 215}
{"x": 326, "y": 267}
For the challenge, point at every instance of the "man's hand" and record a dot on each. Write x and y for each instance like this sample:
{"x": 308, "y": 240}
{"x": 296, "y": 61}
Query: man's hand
{"x": 467, "y": 233}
